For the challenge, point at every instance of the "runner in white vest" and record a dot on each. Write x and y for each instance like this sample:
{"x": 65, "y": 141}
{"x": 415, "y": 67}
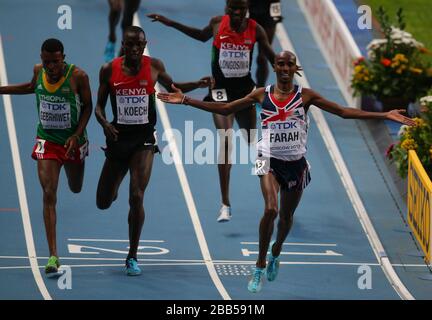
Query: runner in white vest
{"x": 281, "y": 165}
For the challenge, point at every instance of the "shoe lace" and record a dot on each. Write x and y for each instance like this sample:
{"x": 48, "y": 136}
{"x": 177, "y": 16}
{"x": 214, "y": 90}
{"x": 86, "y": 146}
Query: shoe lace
{"x": 257, "y": 276}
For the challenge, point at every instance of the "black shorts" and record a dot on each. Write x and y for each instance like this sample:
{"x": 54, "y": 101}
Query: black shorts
{"x": 291, "y": 175}
{"x": 124, "y": 148}
{"x": 264, "y": 20}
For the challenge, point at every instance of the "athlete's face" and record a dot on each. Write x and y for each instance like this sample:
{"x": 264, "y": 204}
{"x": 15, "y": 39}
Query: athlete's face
{"x": 285, "y": 66}
{"x": 237, "y": 10}
{"x": 53, "y": 63}
{"x": 133, "y": 45}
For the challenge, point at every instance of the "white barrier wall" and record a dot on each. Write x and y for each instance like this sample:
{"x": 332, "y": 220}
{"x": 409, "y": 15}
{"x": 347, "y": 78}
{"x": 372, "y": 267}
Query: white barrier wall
{"x": 335, "y": 41}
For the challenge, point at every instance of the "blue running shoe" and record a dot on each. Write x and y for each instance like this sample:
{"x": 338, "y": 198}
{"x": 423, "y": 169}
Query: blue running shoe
{"x": 255, "y": 283}
{"x": 109, "y": 51}
{"x": 273, "y": 265}
{"x": 132, "y": 268}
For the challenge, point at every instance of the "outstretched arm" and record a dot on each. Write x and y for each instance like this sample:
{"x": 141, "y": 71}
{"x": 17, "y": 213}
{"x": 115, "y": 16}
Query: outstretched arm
{"x": 177, "y": 97}
{"x": 199, "y": 34}
{"x": 23, "y": 88}
{"x": 313, "y": 98}
{"x": 165, "y": 79}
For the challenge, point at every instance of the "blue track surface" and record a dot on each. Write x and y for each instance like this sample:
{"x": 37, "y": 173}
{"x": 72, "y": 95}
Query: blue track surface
{"x": 326, "y": 246}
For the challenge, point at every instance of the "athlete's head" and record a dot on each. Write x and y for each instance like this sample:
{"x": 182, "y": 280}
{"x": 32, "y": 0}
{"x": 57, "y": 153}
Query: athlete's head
{"x": 52, "y": 57}
{"x": 134, "y": 42}
{"x": 237, "y": 10}
{"x": 285, "y": 66}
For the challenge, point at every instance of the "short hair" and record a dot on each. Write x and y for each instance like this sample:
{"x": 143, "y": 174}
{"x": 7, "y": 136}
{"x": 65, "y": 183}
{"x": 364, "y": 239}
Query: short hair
{"x": 134, "y": 29}
{"x": 52, "y": 45}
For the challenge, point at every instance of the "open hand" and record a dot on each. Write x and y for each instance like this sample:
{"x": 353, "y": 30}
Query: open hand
{"x": 396, "y": 115}
{"x": 206, "y": 82}
{"x": 175, "y": 97}
{"x": 111, "y": 133}
{"x": 161, "y": 19}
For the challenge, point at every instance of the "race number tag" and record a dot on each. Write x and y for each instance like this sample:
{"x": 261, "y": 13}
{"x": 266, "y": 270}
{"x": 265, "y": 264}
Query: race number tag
{"x": 219, "y": 95}
{"x": 132, "y": 110}
{"x": 275, "y": 10}
{"x": 55, "y": 115}
{"x": 40, "y": 147}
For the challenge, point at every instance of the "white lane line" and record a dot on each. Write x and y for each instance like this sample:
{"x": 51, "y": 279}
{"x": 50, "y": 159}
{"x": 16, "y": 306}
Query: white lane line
{"x": 114, "y": 240}
{"x": 347, "y": 181}
{"x": 300, "y": 244}
{"x": 163, "y": 115}
{"x": 251, "y": 263}
{"x": 16, "y": 159}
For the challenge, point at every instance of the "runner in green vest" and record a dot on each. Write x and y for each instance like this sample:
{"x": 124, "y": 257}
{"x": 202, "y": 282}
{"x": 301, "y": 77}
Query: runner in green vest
{"x": 64, "y": 107}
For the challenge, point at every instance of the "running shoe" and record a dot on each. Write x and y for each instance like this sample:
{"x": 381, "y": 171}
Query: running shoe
{"x": 255, "y": 283}
{"x": 132, "y": 268}
{"x": 51, "y": 269}
{"x": 109, "y": 51}
{"x": 272, "y": 266}
{"x": 224, "y": 214}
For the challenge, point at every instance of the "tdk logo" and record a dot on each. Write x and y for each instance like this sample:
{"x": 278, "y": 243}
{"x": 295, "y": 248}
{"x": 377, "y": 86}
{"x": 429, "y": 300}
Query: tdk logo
{"x": 284, "y": 125}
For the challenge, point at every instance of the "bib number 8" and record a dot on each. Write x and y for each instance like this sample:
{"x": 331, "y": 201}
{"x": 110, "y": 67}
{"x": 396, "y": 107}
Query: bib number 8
{"x": 275, "y": 10}
{"x": 219, "y": 95}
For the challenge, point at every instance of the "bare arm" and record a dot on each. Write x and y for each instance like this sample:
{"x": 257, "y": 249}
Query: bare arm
{"x": 23, "y": 88}
{"x": 178, "y": 97}
{"x": 102, "y": 97}
{"x": 264, "y": 44}
{"x": 313, "y": 98}
{"x": 165, "y": 79}
{"x": 83, "y": 90}
{"x": 199, "y": 34}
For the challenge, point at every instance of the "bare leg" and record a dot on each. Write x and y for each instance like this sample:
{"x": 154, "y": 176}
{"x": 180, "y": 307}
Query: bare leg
{"x": 49, "y": 171}
{"x": 140, "y": 171}
{"x": 109, "y": 182}
{"x": 114, "y": 17}
{"x": 289, "y": 201}
{"x": 270, "y": 189}
{"x": 75, "y": 176}
{"x": 224, "y": 165}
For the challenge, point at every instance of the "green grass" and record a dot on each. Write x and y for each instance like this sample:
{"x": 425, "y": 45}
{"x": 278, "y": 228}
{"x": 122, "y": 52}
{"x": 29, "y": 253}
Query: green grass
{"x": 417, "y": 17}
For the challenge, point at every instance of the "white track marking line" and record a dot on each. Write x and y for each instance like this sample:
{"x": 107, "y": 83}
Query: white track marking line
{"x": 163, "y": 115}
{"x": 16, "y": 159}
{"x": 347, "y": 181}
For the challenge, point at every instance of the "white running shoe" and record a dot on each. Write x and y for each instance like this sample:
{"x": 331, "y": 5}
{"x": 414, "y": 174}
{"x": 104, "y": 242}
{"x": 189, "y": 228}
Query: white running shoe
{"x": 224, "y": 214}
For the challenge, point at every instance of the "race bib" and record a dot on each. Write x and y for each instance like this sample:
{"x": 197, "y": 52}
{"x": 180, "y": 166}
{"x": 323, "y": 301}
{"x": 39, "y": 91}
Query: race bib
{"x": 234, "y": 63}
{"x": 55, "y": 115}
{"x": 285, "y": 136}
{"x": 132, "y": 109}
{"x": 219, "y": 95}
{"x": 275, "y": 10}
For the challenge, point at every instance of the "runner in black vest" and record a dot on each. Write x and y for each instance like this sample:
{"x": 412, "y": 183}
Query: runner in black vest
{"x": 267, "y": 13}
{"x": 233, "y": 36}
{"x": 281, "y": 165}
